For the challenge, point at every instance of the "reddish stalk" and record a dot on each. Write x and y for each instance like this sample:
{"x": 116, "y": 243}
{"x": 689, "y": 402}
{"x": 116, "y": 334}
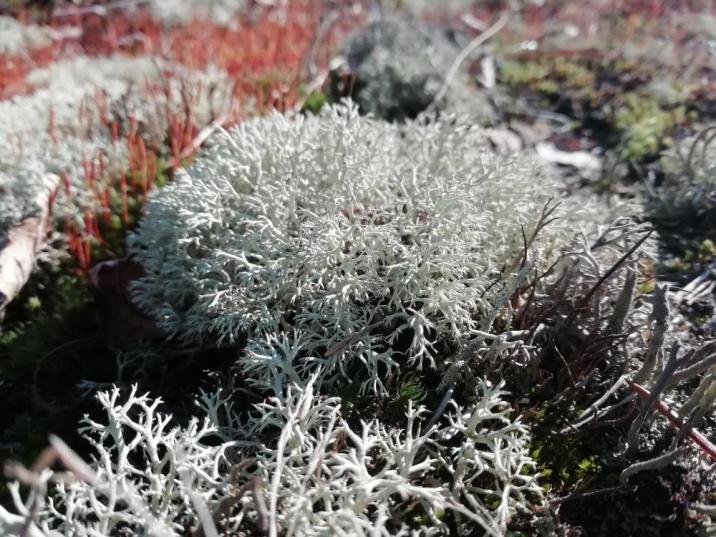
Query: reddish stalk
{"x": 261, "y": 54}
{"x": 695, "y": 436}
{"x": 123, "y": 196}
{"x": 51, "y": 126}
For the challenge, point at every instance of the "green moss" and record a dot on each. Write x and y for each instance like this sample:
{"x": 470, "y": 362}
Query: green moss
{"x": 550, "y": 75}
{"x": 564, "y": 461}
{"x": 645, "y": 125}
{"x": 516, "y": 73}
{"x": 409, "y": 390}
{"x": 314, "y": 102}
{"x": 48, "y": 332}
{"x": 688, "y": 256}
{"x": 707, "y": 248}
{"x": 52, "y": 310}
{"x": 700, "y": 253}
{"x": 113, "y": 225}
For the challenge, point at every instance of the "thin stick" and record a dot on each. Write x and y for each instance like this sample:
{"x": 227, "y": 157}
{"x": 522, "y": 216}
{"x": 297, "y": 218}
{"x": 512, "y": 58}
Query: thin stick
{"x": 100, "y": 10}
{"x": 695, "y": 436}
{"x": 465, "y": 53}
{"x": 441, "y": 407}
{"x": 199, "y": 139}
{"x": 584, "y": 495}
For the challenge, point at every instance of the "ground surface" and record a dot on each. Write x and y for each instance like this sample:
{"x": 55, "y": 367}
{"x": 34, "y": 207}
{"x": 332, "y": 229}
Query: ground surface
{"x": 600, "y": 91}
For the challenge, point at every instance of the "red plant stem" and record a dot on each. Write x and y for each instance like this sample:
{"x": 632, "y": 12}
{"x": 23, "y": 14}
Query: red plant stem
{"x": 101, "y": 102}
{"x": 174, "y": 137}
{"x": 103, "y": 192}
{"x": 132, "y": 140}
{"x": 130, "y": 151}
{"x": 258, "y": 55}
{"x": 123, "y": 194}
{"x": 87, "y": 254}
{"x": 66, "y": 183}
{"x": 88, "y": 220}
{"x": 81, "y": 255}
{"x": 151, "y": 171}
{"x": 72, "y": 238}
{"x": 51, "y": 127}
{"x": 93, "y": 173}
{"x": 199, "y": 139}
{"x": 102, "y": 165}
{"x": 695, "y": 436}
{"x": 143, "y": 157}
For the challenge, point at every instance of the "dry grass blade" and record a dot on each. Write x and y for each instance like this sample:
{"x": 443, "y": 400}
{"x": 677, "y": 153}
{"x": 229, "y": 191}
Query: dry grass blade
{"x": 72, "y": 461}
{"x": 465, "y": 53}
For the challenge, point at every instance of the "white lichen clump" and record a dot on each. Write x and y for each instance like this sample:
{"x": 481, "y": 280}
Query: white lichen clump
{"x": 293, "y": 467}
{"x": 342, "y": 244}
{"x": 16, "y": 37}
{"x": 223, "y": 12}
{"x": 64, "y": 125}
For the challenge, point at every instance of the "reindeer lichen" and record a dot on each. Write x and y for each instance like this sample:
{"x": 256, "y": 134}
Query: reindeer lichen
{"x": 361, "y": 246}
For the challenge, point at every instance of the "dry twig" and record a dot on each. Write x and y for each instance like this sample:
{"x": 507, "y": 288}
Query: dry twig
{"x": 24, "y": 241}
